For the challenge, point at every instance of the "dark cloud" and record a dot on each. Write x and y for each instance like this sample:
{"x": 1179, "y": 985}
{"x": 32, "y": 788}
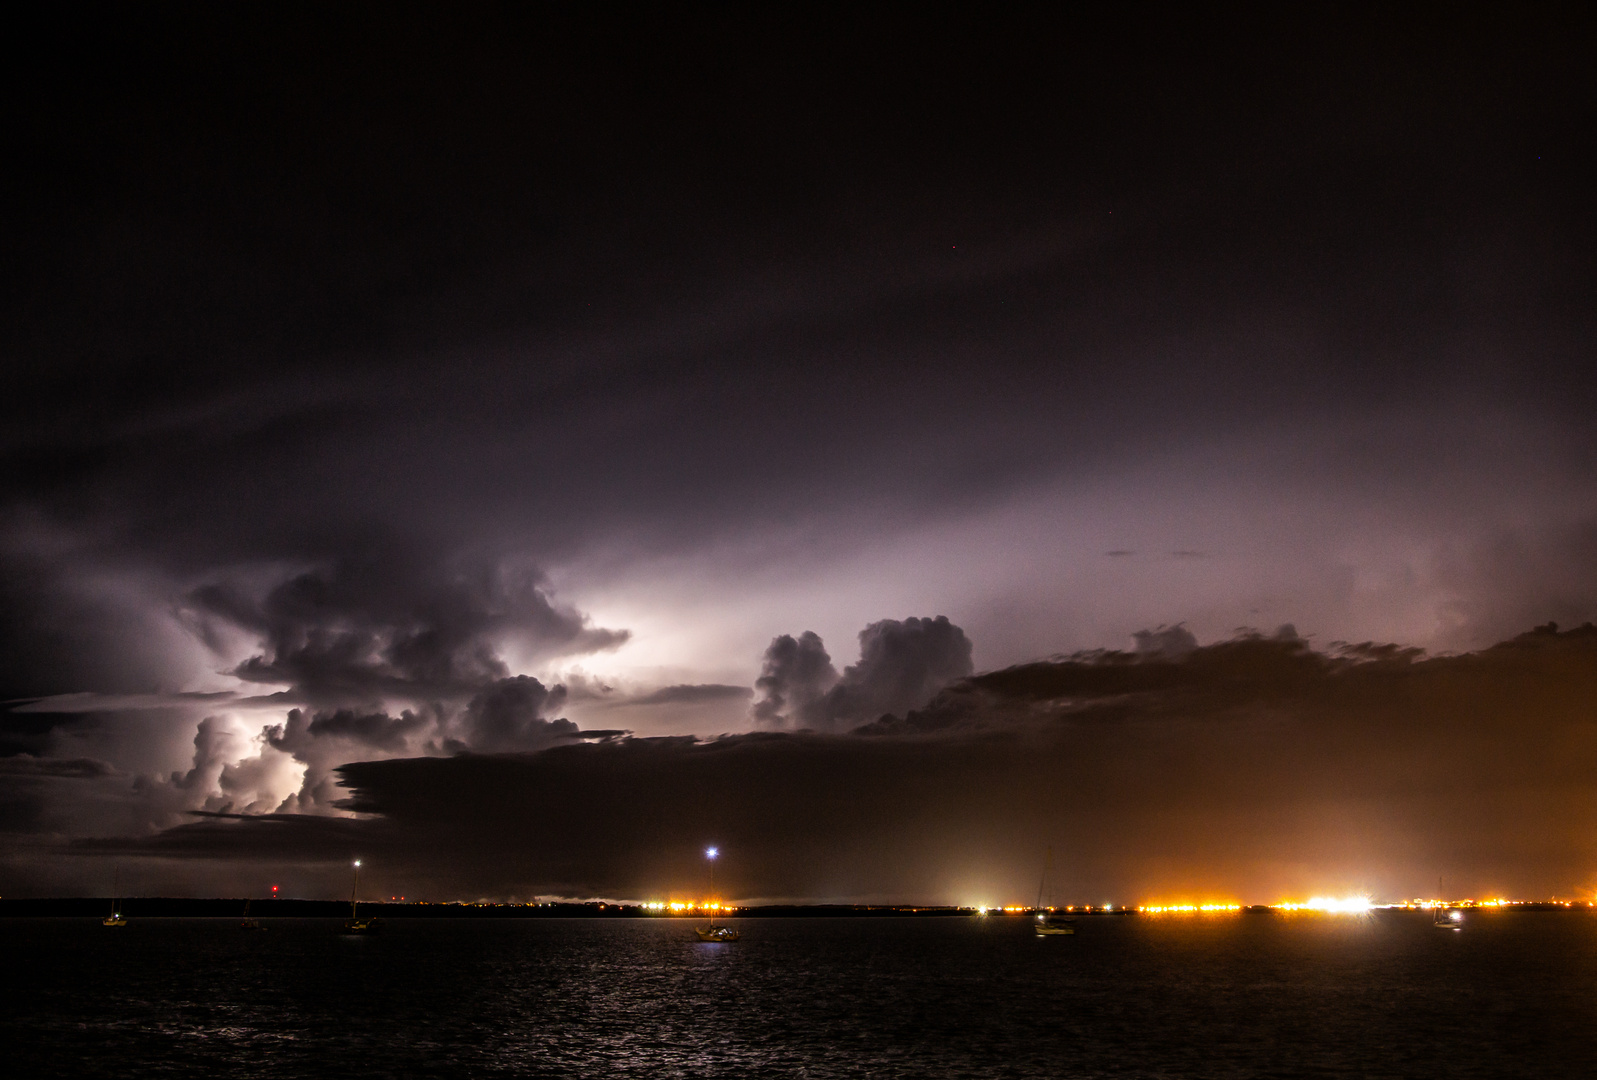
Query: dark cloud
{"x": 333, "y": 343}
{"x": 478, "y": 300}
{"x": 290, "y": 767}
{"x": 1171, "y": 641}
{"x": 383, "y": 627}
{"x": 1251, "y": 769}
{"x": 901, "y": 665}
{"x": 794, "y": 675}
{"x": 375, "y": 731}
{"x": 1255, "y": 768}
{"x": 508, "y": 717}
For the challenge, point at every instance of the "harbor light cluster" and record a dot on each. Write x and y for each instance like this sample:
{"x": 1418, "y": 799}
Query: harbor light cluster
{"x": 683, "y": 906}
{"x": 1160, "y": 909}
{"x": 1332, "y": 905}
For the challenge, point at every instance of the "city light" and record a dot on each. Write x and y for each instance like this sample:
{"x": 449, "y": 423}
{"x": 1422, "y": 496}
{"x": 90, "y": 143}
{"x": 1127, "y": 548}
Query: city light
{"x": 1349, "y": 905}
{"x": 1163, "y": 909}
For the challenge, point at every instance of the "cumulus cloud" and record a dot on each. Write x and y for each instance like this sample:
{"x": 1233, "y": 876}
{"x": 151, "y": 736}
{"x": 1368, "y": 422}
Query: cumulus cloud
{"x": 232, "y": 770}
{"x": 215, "y": 744}
{"x": 390, "y": 654}
{"x": 794, "y": 675}
{"x": 322, "y": 741}
{"x": 381, "y": 627}
{"x": 901, "y": 665}
{"x": 1172, "y": 641}
{"x": 290, "y": 766}
{"x": 508, "y": 716}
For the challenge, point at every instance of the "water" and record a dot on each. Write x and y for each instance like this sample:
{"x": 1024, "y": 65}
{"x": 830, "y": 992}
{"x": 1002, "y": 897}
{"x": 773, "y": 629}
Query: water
{"x": 1515, "y": 995}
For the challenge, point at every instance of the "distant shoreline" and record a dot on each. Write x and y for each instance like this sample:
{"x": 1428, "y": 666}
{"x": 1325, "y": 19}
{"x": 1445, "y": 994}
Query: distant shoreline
{"x": 225, "y": 907}
{"x": 155, "y": 907}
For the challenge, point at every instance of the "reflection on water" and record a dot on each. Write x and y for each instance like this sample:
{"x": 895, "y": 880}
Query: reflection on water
{"x": 1201, "y": 996}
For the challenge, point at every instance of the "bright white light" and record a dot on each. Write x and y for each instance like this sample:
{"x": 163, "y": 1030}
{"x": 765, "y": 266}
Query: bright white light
{"x": 357, "y": 862}
{"x": 1348, "y": 905}
{"x": 1354, "y": 904}
{"x": 710, "y": 853}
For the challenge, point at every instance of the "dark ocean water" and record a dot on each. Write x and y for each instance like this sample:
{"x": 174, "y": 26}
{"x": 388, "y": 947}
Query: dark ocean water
{"x": 1514, "y": 995}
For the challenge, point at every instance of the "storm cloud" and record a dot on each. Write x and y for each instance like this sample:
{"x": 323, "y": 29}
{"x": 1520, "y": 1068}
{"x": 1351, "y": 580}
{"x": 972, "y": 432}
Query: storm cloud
{"x": 1253, "y": 769}
{"x": 902, "y": 664}
{"x": 795, "y": 675}
{"x": 508, "y": 716}
{"x": 439, "y": 395}
{"x": 380, "y": 627}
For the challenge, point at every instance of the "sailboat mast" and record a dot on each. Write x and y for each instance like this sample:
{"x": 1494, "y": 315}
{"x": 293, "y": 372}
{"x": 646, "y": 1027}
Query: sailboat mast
{"x": 711, "y": 853}
{"x": 1042, "y": 885}
{"x": 353, "y": 888}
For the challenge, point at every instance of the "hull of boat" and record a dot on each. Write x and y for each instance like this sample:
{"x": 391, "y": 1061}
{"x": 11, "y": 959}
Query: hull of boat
{"x": 718, "y": 933}
{"x": 361, "y": 926}
{"x": 1051, "y": 931}
{"x": 115, "y": 920}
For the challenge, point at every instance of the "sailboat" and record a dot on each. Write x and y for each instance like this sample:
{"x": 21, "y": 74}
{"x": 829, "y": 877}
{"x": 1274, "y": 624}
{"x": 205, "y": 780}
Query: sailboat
{"x": 1046, "y": 925}
{"x": 115, "y": 918}
{"x": 714, "y": 932}
{"x": 355, "y": 924}
{"x": 249, "y": 923}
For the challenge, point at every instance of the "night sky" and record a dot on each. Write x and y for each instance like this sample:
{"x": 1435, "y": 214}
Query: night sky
{"x": 519, "y": 449}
